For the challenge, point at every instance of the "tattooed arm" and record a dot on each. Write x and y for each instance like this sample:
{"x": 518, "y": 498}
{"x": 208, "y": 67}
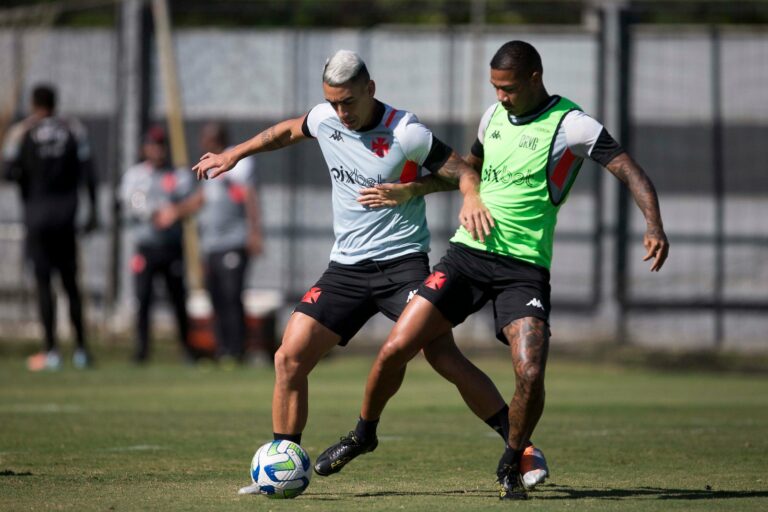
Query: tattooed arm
{"x": 452, "y": 174}
{"x": 275, "y": 137}
{"x": 632, "y": 175}
{"x": 392, "y": 194}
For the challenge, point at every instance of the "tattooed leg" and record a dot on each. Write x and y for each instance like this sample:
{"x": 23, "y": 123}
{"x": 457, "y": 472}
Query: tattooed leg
{"x": 529, "y": 344}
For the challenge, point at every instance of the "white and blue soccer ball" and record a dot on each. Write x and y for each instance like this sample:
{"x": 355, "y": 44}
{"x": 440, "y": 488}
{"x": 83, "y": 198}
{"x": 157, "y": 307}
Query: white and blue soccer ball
{"x": 281, "y": 469}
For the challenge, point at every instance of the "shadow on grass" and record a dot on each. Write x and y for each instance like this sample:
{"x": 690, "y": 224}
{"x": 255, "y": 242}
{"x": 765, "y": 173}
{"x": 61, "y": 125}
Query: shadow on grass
{"x": 552, "y": 492}
{"x": 659, "y": 493}
{"x": 10, "y": 472}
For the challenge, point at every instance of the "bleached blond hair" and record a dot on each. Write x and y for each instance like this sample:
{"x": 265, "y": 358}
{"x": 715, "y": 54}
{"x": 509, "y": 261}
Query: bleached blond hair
{"x": 343, "y": 67}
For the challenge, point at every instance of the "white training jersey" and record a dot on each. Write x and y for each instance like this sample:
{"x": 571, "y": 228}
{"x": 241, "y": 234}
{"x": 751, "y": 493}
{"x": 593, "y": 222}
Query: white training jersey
{"x": 391, "y": 152}
{"x": 223, "y": 220}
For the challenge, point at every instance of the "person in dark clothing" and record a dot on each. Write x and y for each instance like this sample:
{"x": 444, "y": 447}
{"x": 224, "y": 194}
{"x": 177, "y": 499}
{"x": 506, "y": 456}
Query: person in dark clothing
{"x": 49, "y": 157}
{"x": 148, "y": 192}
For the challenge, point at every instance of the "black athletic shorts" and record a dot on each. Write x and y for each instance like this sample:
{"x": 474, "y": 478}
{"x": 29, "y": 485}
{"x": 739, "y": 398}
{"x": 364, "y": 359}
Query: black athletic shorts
{"x": 466, "y": 278}
{"x": 346, "y": 296}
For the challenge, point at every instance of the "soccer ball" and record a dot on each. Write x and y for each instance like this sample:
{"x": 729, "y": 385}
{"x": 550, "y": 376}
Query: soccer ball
{"x": 281, "y": 469}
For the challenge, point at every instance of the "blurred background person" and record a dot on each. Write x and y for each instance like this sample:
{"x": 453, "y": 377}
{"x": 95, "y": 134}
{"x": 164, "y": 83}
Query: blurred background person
{"x": 229, "y": 220}
{"x": 49, "y": 157}
{"x": 149, "y": 192}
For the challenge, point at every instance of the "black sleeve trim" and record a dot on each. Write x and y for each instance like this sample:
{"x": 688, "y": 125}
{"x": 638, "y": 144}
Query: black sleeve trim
{"x": 305, "y": 126}
{"x": 477, "y": 149}
{"x": 438, "y": 155}
{"x": 605, "y": 149}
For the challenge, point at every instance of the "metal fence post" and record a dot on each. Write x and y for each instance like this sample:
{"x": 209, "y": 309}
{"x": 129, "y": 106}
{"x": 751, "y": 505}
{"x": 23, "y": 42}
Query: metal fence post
{"x": 622, "y": 205}
{"x": 718, "y": 184}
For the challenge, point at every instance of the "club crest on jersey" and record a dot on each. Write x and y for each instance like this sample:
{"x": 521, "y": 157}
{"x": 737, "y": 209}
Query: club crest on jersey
{"x": 312, "y": 295}
{"x": 436, "y": 280}
{"x": 380, "y": 146}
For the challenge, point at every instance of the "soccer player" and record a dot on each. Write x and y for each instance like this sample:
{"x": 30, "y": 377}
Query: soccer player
{"x": 529, "y": 147}
{"x": 50, "y": 158}
{"x": 379, "y": 256}
{"x": 149, "y": 191}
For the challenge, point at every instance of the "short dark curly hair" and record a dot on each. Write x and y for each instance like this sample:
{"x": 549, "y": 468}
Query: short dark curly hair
{"x": 517, "y": 56}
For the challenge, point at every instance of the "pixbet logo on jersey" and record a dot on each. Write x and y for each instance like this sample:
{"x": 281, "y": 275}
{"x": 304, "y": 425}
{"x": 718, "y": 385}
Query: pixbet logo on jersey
{"x": 506, "y": 177}
{"x": 353, "y": 176}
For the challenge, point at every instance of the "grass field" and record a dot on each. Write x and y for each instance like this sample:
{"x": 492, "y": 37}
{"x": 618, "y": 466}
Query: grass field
{"x": 170, "y": 437}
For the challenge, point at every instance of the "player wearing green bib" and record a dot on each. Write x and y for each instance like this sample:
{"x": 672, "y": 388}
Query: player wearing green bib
{"x": 517, "y": 176}
{"x": 529, "y": 149}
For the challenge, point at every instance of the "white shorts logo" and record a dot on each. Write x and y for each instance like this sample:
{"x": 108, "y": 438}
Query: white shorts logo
{"x": 536, "y": 303}
{"x": 411, "y": 295}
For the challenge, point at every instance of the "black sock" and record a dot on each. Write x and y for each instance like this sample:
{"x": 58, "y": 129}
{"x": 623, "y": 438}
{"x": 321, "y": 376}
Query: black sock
{"x": 511, "y": 457}
{"x": 499, "y": 422}
{"x": 366, "y": 430}
{"x": 296, "y": 438}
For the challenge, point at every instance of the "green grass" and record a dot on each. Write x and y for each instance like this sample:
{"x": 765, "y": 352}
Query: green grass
{"x": 170, "y": 437}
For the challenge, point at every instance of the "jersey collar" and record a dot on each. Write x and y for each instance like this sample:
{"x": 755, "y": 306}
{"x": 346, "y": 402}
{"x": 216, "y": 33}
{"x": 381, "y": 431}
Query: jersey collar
{"x": 527, "y": 118}
{"x": 378, "y": 115}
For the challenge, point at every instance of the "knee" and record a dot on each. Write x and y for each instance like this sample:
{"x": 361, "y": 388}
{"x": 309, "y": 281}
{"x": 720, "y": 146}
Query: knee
{"x": 390, "y": 356}
{"x": 530, "y": 376}
{"x": 287, "y": 366}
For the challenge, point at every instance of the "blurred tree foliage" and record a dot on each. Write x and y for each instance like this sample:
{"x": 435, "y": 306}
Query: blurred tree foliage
{"x": 369, "y": 13}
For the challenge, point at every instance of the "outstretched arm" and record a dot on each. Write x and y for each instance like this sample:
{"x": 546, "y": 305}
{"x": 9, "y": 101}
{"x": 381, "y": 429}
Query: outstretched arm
{"x": 275, "y": 137}
{"x": 632, "y": 175}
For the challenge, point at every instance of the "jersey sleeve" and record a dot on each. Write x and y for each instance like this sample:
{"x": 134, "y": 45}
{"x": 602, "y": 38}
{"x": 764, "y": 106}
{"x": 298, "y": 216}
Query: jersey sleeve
{"x": 477, "y": 148}
{"x": 588, "y": 138}
{"x": 81, "y": 139}
{"x": 484, "y": 122}
{"x": 12, "y": 145}
{"x": 314, "y": 117}
{"x": 415, "y": 139}
{"x": 135, "y": 207}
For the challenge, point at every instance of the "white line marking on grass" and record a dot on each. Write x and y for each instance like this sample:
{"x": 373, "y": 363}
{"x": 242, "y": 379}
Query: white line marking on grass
{"x": 42, "y": 408}
{"x": 136, "y": 448}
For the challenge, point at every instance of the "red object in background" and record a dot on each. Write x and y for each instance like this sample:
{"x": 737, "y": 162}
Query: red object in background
{"x": 138, "y": 263}
{"x": 169, "y": 182}
{"x": 236, "y": 193}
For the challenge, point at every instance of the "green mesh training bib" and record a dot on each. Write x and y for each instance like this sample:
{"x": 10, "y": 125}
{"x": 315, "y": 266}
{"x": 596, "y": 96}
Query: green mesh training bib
{"x": 527, "y": 173}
